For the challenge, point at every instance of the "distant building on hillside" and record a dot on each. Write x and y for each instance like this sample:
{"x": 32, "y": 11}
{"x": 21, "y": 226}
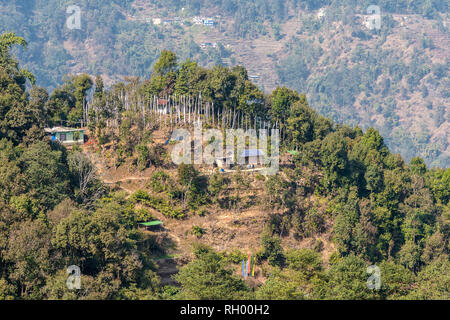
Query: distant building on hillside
{"x": 322, "y": 13}
{"x": 152, "y": 225}
{"x": 197, "y": 20}
{"x": 66, "y": 135}
{"x": 251, "y": 156}
{"x": 204, "y": 21}
{"x": 248, "y": 157}
{"x": 205, "y": 45}
{"x": 208, "y": 22}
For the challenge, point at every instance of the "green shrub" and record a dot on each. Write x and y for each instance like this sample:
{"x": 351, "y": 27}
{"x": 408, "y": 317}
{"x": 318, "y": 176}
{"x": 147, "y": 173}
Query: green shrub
{"x": 236, "y": 256}
{"x": 202, "y": 212}
{"x": 272, "y": 250}
{"x": 143, "y": 156}
{"x": 157, "y": 203}
{"x": 159, "y": 181}
{"x": 139, "y": 196}
{"x": 260, "y": 177}
{"x": 198, "y": 231}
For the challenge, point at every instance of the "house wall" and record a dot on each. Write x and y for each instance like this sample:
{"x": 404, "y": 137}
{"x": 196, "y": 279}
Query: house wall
{"x": 252, "y": 160}
{"x": 222, "y": 163}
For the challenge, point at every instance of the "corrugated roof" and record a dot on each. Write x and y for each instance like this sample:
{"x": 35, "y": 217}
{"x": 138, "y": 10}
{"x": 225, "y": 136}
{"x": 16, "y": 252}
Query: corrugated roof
{"x": 61, "y": 129}
{"x": 151, "y": 223}
{"x": 252, "y": 153}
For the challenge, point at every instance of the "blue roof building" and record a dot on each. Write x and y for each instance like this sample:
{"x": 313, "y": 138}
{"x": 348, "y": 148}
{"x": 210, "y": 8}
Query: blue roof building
{"x": 208, "y": 22}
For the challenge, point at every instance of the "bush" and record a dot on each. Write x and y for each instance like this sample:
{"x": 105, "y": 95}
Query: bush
{"x": 143, "y": 156}
{"x": 260, "y": 177}
{"x": 143, "y": 215}
{"x": 313, "y": 223}
{"x": 202, "y": 212}
{"x": 236, "y": 256}
{"x": 157, "y": 155}
{"x": 159, "y": 181}
{"x": 216, "y": 184}
{"x": 198, "y": 231}
{"x": 305, "y": 260}
{"x": 157, "y": 203}
{"x": 272, "y": 250}
{"x": 139, "y": 196}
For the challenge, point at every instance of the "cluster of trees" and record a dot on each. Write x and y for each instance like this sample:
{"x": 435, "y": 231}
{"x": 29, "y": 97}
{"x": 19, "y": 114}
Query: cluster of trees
{"x": 227, "y": 89}
{"x": 54, "y": 211}
{"x": 302, "y": 277}
{"x": 379, "y": 209}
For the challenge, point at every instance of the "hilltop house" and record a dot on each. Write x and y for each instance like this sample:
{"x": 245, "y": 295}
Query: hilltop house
{"x": 205, "y": 45}
{"x": 247, "y": 157}
{"x": 66, "y": 135}
{"x": 204, "y": 21}
{"x": 208, "y": 22}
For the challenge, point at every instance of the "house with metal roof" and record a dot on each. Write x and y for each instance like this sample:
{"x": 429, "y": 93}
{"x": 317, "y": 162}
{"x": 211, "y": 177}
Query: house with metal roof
{"x": 66, "y": 135}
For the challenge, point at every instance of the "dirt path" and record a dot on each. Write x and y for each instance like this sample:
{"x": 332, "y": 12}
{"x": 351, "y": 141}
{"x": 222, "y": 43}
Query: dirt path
{"x": 129, "y": 178}
{"x": 125, "y": 179}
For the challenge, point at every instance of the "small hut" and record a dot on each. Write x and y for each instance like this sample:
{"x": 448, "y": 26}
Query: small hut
{"x": 151, "y": 225}
{"x": 251, "y": 156}
{"x": 66, "y": 135}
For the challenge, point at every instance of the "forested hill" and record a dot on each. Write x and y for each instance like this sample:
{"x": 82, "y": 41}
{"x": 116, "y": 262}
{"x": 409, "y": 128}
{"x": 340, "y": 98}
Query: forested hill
{"x": 394, "y": 78}
{"x": 341, "y": 201}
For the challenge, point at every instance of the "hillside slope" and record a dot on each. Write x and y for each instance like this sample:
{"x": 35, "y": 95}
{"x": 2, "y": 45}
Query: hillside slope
{"x": 395, "y": 78}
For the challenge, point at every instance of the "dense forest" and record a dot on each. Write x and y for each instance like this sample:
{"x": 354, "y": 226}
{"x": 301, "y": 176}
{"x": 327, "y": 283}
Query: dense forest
{"x": 394, "y": 79}
{"x": 55, "y": 211}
